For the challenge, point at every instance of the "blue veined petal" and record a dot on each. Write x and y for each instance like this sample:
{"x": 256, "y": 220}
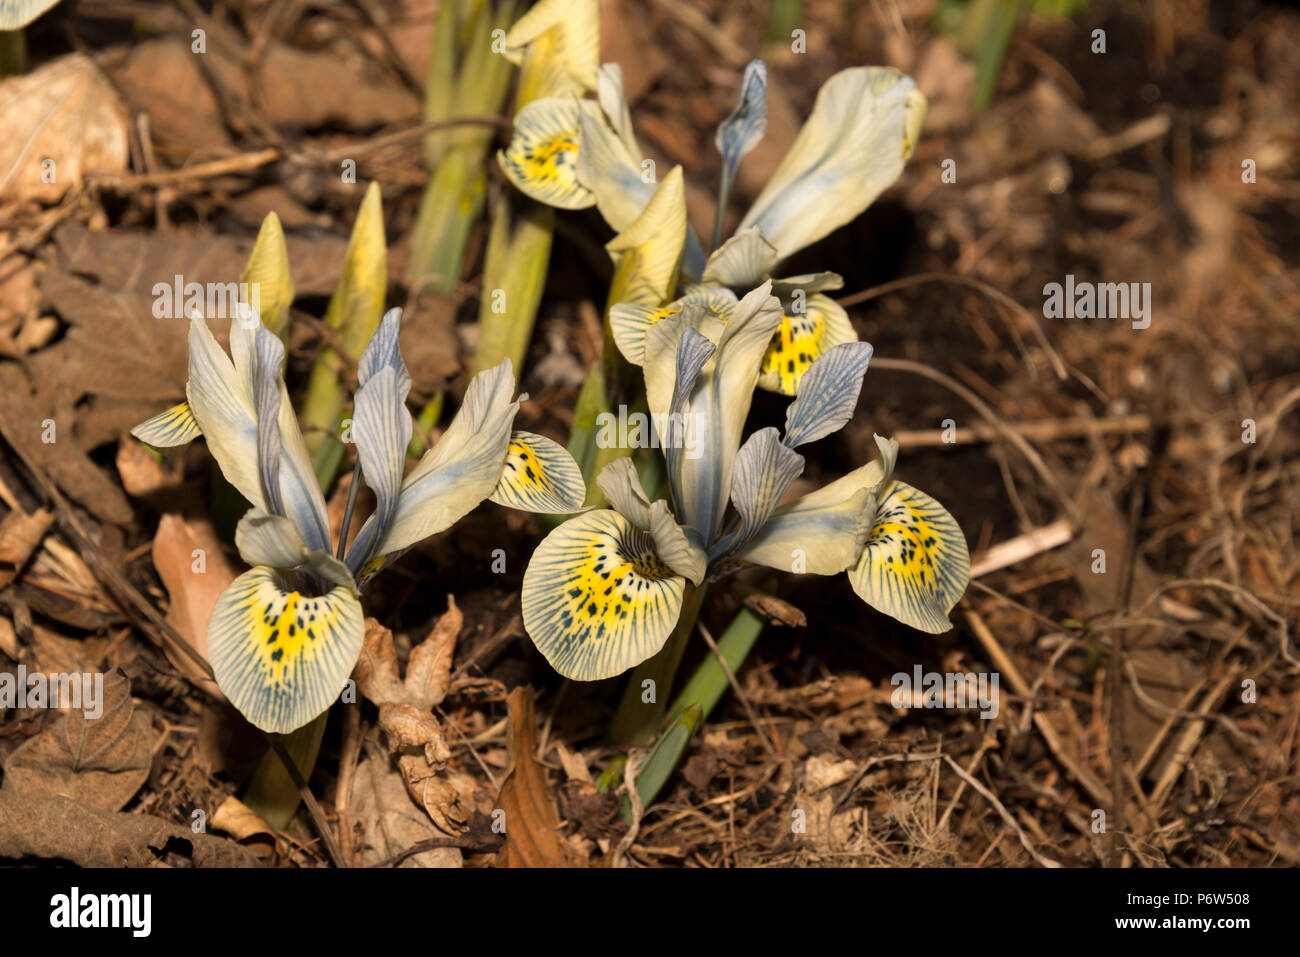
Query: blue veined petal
{"x": 741, "y": 131}
{"x": 853, "y": 146}
{"x": 539, "y": 476}
{"x": 279, "y": 655}
{"x": 915, "y": 565}
{"x": 462, "y": 469}
{"x": 828, "y": 393}
{"x": 814, "y": 534}
{"x": 597, "y": 599}
{"x": 175, "y": 426}
{"x": 764, "y": 470}
{"x": 381, "y": 428}
{"x": 288, "y": 480}
{"x": 718, "y": 403}
{"x": 630, "y": 322}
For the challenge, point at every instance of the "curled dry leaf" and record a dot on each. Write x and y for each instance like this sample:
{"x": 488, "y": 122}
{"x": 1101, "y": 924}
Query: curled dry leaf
{"x": 406, "y": 726}
{"x": 406, "y": 717}
{"x": 390, "y": 822}
{"x": 775, "y": 610}
{"x": 97, "y": 761}
{"x": 61, "y": 121}
{"x": 245, "y": 825}
{"x": 532, "y": 822}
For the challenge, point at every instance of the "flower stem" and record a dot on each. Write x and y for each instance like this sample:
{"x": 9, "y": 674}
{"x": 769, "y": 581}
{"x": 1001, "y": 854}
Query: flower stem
{"x": 637, "y": 719}
{"x": 271, "y": 792}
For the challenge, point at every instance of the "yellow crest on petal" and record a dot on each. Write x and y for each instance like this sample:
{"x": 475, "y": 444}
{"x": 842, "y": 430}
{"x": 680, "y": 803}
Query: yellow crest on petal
{"x": 915, "y": 565}
{"x": 800, "y": 340}
{"x": 597, "y": 599}
{"x": 281, "y": 656}
{"x": 542, "y": 157}
{"x": 539, "y": 476}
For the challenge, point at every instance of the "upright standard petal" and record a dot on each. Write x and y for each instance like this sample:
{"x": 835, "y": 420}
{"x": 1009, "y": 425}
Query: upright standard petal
{"x": 680, "y": 547}
{"x": 279, "y": 655}
{"x": 381, "y": 428}
{"x": 542, "y": 156}
{"x": 915, "y": 565}
{"x": 288, "y": 480}
{"x": 800, "y": 340}
{"x": 720, "y": 396}
{"x": 853, "y": 146}
{"x": 741, "y": 131}
{"x": 597, "y": 599}
{"x": 462, "y": 469}
{"x": 828, "y": 394}
{"x": 539, "y": 476}
{"x": 224, "y": 412}
{"x": 742, "y": 262}
{"x": 622, "y": 487}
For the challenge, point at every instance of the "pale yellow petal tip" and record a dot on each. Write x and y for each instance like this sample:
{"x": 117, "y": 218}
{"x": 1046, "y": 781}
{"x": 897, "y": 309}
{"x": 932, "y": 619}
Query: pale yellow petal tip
{"x": 665, "y": 213}
{"x": 175, "y": 426}
{"x": 915, "y": 118}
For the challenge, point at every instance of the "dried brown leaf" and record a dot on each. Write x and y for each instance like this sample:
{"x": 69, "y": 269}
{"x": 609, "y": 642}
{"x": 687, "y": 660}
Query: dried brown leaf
{"x": 97, "y": 761}
{"x": 194, "y": 570}
{"x": 391, "y": 823}
{"x": 54, "y": 828}
{"x": 61, "y": 121}
{"x": 532, "y": 822}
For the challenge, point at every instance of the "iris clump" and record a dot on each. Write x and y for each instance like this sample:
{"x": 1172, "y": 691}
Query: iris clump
{"x": 605, "y": 590}
{"x": 285, "y": 635}
{"x": 576, "y": 153}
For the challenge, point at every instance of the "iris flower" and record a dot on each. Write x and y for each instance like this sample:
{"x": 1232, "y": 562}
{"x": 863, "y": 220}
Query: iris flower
{"x": 575, "y": 153}
{"x": 604, "y": 590}
{"x": 285, "y": 635}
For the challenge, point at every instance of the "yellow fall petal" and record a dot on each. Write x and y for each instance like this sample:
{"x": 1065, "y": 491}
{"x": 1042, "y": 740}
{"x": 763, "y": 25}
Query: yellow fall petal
{"x": 915, "y": 565}
{"x": 597, "y": 599}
